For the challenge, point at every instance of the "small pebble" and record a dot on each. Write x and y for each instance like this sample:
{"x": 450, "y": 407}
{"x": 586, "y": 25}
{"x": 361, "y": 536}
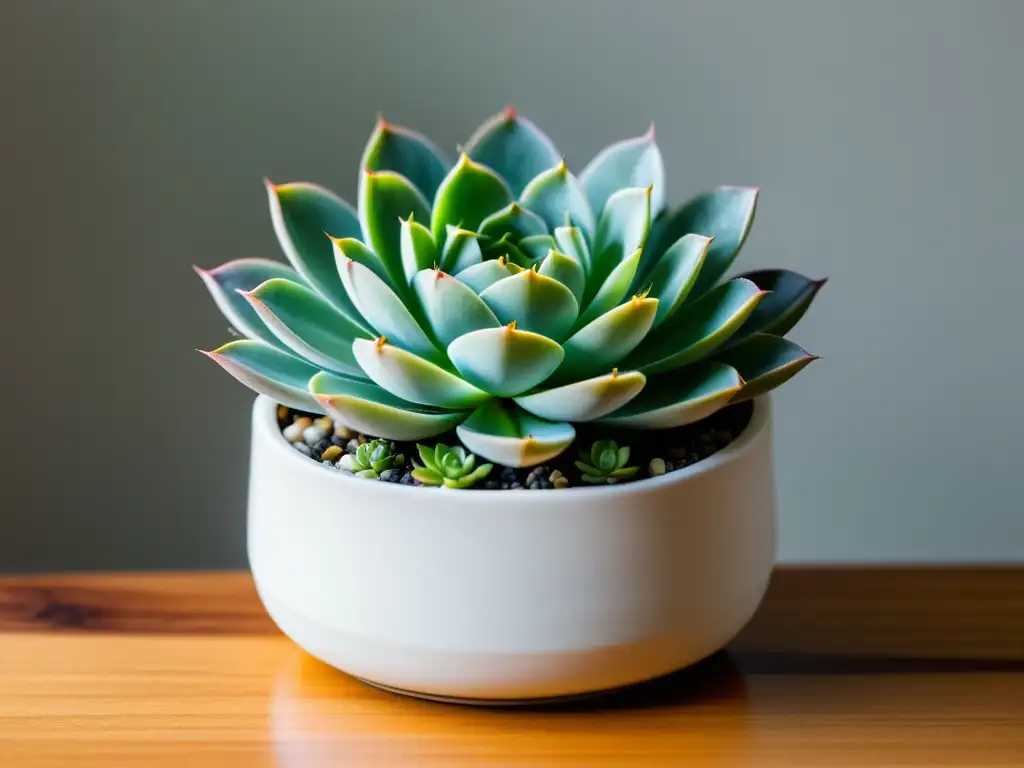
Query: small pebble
{"x": 331, "y": 453}
{"x": 293, "y": 432}
{"x": 362, "y": 438}
{"x": 516, "y": 486}
{"x": 320, "y": 446}
{"x": 328, "y": 463}
{"x": 387, "y": 474}
{"x": 553, "y": 477}
{"x": 302, "y": 448}
{"x": 492, "y": 485}
{"x": 342, "y": 432}
{"x": 313, "y": 434}
{"x": 338, "y": 441}
{"x": 352, "y": 445}
{"x": 533, "y": 485}
{"x": 326, "y": 423}
{"x": 408, "y": 479}
{"x": 561, "y": 482}
{"x": 656, "y": 467}
{"x": 282, "y": 412}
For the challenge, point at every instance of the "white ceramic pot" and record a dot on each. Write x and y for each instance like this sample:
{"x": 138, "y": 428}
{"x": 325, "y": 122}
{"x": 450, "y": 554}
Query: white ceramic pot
{"x": 502, "y": 595}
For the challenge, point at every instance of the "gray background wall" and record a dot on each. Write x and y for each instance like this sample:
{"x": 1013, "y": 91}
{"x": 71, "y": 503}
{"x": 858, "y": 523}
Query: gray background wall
{"x": 885, "y": 135}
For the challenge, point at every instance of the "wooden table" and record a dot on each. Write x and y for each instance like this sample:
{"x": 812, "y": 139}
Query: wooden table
{"x": 841, "y": 667}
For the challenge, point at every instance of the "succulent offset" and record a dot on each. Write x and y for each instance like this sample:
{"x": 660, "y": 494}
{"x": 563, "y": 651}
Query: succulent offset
{"x": 605, "y": 462}
{"x": 507, "y": 298}
{"x": 453, "y": 467}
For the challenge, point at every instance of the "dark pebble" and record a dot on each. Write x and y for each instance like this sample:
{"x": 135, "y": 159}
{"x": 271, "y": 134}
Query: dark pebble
{"x": 508, "y": 474}
{"x": 320, "y": 446}
{"x": 533, "y": 485}
{"x": 352, "y": 445}
{"x": 338, "y": 441}
{"x": 408, "y": 479}
{"x": 388, "y": 475}
{"x": 304, "y": 449}
{"x": 517, "y": 486}
{"x": 492, "y": 485}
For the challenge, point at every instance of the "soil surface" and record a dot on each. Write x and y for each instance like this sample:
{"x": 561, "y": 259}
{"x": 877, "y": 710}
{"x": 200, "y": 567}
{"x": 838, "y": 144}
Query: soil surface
{"x": 652, "y": 453}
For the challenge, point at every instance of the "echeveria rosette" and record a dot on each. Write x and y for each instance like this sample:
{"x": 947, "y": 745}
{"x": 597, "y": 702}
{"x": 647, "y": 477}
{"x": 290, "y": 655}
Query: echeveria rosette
{"x": 507, "y": 298}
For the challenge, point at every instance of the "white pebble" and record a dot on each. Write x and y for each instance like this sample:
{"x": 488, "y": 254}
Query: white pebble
{"x": 293, "y": 432}
{"x": 312, "y": 434}
{"x": 656, "y": 467}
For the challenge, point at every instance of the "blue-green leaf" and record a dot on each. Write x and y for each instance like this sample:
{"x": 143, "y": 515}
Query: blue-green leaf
{"x": 386, "y": 313}
{"x": 414, "y": 379}
{"x": 469, "y": 193}
{"x": 405, "y": 151}
{"x": 513, "y": 437}
{"x": 605, "y": 341}
{"x": 514, "y": 147}
{"x": 384, "y": 199}
{"x": 764, "y": 361}
{"x": 534, "y": 302}
{"x": 726, "y": 214}
{"x": 675, "y": 274}
{"x": 505, "y": 361}
{"x": 790, "y": 294}
{"x": 373, "y": 411}
{"x": 505, "y": 248}
{"x": 633, "y": 162}
{"x": 697, "y": 329}
{"x": 461, "y": 250}
{"x": 418, "y": 249}
{"x": 269, "y": 371}
{"x": 514, "y": 220}
{"x": 571, "y": 242}
{"x": 307, "y": 324}
{"x": 565, "y": 270}
{"x": 450, "y": 306}
{"x": 556, "y": 196}
{"x": 621, "y": 231}
{"x": 485, "y": 274}
{"x": 305, "y": 217}
{"x": 613, "y": 290}
{"x": 584, "y": 400}
{"x": 537, "y": 247}
{"x": 225, "y": 282}
{"x": 350, "y": 248}
{"x": 680, "y": 398}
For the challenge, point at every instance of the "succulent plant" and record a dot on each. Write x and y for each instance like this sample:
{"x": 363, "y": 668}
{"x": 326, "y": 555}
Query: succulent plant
{"x": 605, "y": 463}
{"x": 508, "y": 298}
{"x": 452, "y": 467}
{"x": 370, "y": 459}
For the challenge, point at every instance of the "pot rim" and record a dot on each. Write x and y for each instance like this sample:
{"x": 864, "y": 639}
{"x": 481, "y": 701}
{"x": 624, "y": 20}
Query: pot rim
{"x": 265, "y": 428}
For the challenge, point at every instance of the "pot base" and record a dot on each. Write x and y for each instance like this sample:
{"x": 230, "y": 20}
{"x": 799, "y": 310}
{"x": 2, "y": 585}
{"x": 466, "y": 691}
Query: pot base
{"x": 543, "y": 701}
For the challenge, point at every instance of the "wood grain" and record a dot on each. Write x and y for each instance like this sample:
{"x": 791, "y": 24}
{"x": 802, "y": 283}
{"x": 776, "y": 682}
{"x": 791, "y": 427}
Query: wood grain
{"x": 842, "y": 667}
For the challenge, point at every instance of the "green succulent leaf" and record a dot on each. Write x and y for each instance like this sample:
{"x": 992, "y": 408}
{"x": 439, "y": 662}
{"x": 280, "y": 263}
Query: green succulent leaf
{"x": 605, "y": 341}
{"x": 558, "y": 199}
{"x": 368, "y": 408}
{"x": 418, "y": 249}
{"x": 584, "y": 400}
{"x": 386, "y": 312}
{"x": 227, "y": 282}
{"x": 790, "y": 296}
{"x": 613, "y": 290}
{"x": 536, "y": 247}
{"x": 428, "y": 476}
{"x": 514, "y": 220}
{"x": 565, "y": 270}
{"x": 534, "y": 302}
{"x": 408, "y": 152}
{"x": 635, "y": 162}
{"x": 305, "y": 217}
{"x": 386, "y": 198}
{"x": 676, "y": 273}
{"x": 505, "y": 361}
{"x": 514, "y": 147}
{"x": 764, "y": 362}
{"x": 724, "y": 214}
{"x": 468, "y": 481}
{"x": 510, "y": 436}
{"x": 505, "y": 248}
{"x": 307, "y": 324}
{"x": 698, "y": 328}
{"x": 571, "y": 242}
{"x": 461, "y": 250}
{"x": 679, "y": 398}
{"x": 412, "y": 378}
{"x": 350, "y": 248}
{"x": 268, "y": 371}
{"x": 450, "y": 306}
{"x": 621, "y": 230}
{"x": 469, "y": 193}
{"x": 480, "y": 277}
